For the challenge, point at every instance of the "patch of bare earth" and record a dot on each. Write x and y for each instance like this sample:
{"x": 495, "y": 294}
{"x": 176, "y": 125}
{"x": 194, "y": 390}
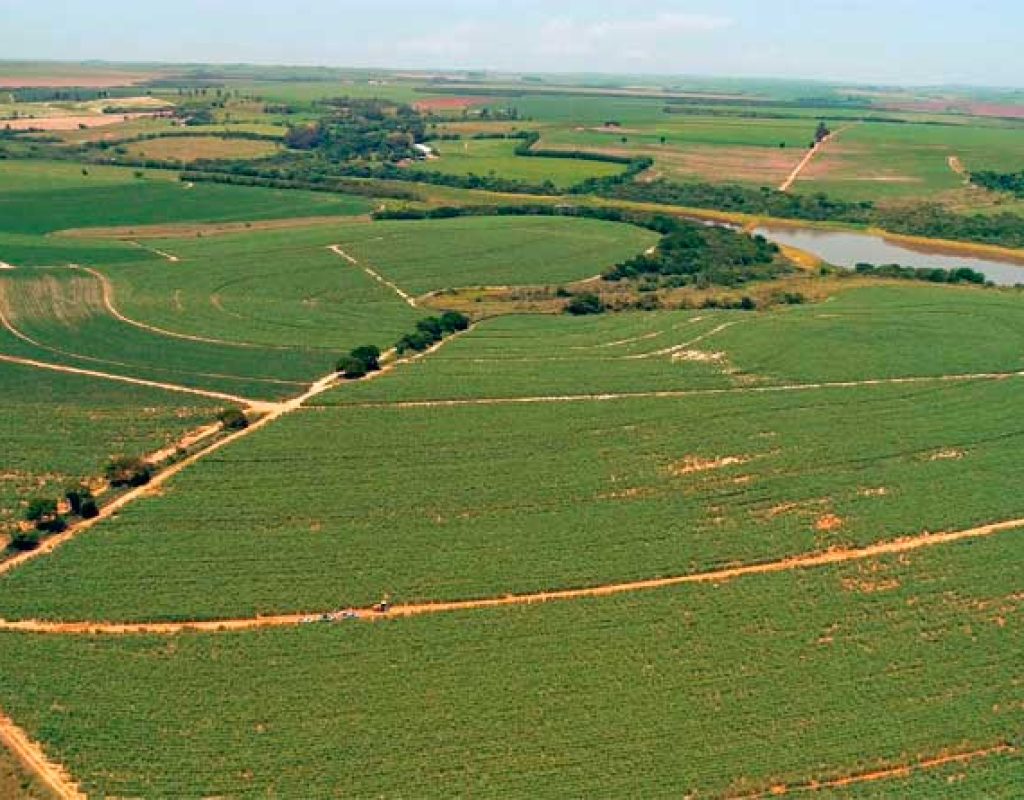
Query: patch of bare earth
{"x": 689, "y": 465}
{"x": 70, "y": 123}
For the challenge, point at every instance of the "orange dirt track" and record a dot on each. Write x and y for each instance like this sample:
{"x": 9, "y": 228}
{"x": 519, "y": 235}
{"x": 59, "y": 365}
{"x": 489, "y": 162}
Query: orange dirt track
{"x": 821, "y": 559}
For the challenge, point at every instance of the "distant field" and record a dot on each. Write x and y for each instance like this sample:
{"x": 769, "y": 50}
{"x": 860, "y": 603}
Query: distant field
{"x": 654, "y": 695}
{"x": 487, "y": 156}
{"x": 880, "y": 160}
{"x": 194, "y": 148}
{"x": 40, "y": 197}
{"x": 58, "y": 428}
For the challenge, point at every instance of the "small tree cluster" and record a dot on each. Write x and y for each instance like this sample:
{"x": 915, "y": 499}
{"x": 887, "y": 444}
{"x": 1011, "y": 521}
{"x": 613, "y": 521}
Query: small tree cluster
{"x": 583, "y": 304}
{"x": 231, "y": 419}
{"x": 359, "y": 362}
{"x": 432, "y": 329}
{"x": 124, "y": 470}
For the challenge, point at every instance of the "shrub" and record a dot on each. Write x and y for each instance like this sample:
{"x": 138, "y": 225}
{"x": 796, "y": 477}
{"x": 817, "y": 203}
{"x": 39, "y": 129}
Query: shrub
{"x": 452, "y": 321}
{"x": 24, "y": 540}
{"x": 89, "y": 509}
{"x": 40, "y": 509}
{"x": 585, "y": 304}
{"x": 124, "y": 470}
{"x": 351, "y": 367}
{"x": 369, "y": 354}
{"x": 431, "y": 326}
{"x": 418, "y": 341}
{"x": 79, "y": 497}
{"x": 231, "y": 419}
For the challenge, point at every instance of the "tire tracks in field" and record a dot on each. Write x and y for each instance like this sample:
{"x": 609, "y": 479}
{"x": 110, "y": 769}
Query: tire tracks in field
{"x": 807, "y": 561}
{"x": 408, "y": 298}
{"x": 107, "y": 291}
{"x": 677, "y": 393}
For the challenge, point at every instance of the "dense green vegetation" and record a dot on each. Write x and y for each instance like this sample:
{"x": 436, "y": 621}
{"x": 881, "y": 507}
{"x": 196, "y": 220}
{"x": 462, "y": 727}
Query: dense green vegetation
{"x": 652, "y": 694}
{"x": 691, "y": 253}
{"x": 1012, "y": 182}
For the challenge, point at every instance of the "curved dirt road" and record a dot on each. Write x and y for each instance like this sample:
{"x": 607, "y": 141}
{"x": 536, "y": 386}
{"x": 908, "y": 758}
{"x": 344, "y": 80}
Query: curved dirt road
{"x": 808, "y": 561}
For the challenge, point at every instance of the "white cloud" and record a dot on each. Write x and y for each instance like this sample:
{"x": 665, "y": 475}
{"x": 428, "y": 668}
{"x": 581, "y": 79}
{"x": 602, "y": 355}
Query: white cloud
{"x": 556, "y": 43}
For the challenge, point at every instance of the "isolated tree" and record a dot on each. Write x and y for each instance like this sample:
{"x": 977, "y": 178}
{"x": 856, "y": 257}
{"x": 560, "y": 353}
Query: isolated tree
{"x": 24, "y": 540}
{"x": 78, "y": 496}
{"x": 43, "y": 513}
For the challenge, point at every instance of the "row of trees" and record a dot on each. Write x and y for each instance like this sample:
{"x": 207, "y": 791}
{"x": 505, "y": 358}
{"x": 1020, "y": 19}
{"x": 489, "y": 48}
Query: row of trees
{"x": 930, "y": 274}
{"x": 430, "y": 330}
{"x": 46, "y": 515}
{"x": 1012, "y": 182}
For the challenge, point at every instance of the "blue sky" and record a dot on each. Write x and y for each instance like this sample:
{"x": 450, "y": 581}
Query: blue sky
{"x": 894, "y": 41}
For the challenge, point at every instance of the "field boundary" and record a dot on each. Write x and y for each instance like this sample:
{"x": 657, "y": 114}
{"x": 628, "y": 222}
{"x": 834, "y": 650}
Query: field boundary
{"x": 823, "y": 558}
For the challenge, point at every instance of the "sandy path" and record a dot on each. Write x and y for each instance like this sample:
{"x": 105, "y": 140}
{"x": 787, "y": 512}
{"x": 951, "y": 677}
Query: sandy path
{"x": 667, "y": 351}
{"x": 808, "y": 157}
{"x": 188, "y": 440}
{"x": 808, "y": 561}
{"x": 108, "y": 303}
{"x": 670, "y": 393}
{"x": 336, "y": 249}
{"x": 50, "y": 773}
{"x": 880, "y": 775}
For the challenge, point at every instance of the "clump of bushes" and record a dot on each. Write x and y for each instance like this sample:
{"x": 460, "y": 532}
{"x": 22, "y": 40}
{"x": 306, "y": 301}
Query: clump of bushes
{"x": 81, "y": 502}
{"x": 122, "y": 470}
{"x": 430, "y": 330}
{"x": 231, "y": 419}
{"x": 583, "y": 304}
{"x": 362, "y": 360}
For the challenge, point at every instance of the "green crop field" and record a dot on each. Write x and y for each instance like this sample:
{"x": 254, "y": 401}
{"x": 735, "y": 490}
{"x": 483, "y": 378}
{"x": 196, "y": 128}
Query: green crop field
{"x": 496, "y": 156}
{"x": 59, "y": 428}
{"x": 334, "y": 506}
{"x": 656, "y": 694}
{"x": 57, "y": 316}
{"x": 39, "y": 197}
{"x": 717, "y": 534}
{"x": 880, "y": 161}
{"x": 288, "y": 288}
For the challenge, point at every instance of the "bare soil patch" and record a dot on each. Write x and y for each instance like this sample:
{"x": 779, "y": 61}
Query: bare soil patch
{"x": 450, "y": 103}
{"x": 688, "y": 465}
{"x": 70, "y": 123}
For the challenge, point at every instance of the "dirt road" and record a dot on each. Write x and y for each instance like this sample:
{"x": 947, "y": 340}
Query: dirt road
{"x": 49, "y": 773}
{"x": 807, "y": 561}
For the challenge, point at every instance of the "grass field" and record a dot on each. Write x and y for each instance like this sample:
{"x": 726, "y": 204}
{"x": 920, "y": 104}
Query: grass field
{"x": 496, "y": 156}
{"x": 59, "y": 428}
{"x": 194, "y": 148}
{"x": 530, "y": 701}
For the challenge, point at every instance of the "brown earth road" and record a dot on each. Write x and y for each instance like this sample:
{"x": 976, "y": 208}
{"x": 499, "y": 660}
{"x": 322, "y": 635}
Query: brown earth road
{"x": 162, "y": 253}
{"x": 881, "y": 774}
{"x": 811, "y": 153}
{"x": 807, "y": 561}
{"x": 336, "y": 249}
{"x": 670, "y": 393}
{"x": 257, "y": 405}
{"x": 49, "y": 773}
